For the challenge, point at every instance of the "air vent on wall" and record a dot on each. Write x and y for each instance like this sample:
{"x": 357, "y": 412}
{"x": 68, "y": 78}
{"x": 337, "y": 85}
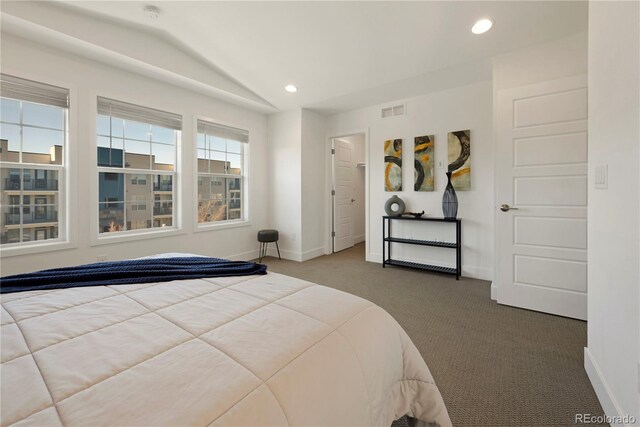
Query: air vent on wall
{"x": 396, "y": 110}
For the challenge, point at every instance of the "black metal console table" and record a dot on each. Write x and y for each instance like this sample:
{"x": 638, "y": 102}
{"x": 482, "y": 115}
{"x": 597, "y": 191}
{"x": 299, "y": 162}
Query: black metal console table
{"x": 388, "y": 240}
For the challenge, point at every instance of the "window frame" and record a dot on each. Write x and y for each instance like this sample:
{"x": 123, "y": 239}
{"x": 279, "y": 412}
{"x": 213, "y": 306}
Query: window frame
{"x": 244, "y": 176}
{"x": 67, "y": 173}
{"x": 97, "y": 238}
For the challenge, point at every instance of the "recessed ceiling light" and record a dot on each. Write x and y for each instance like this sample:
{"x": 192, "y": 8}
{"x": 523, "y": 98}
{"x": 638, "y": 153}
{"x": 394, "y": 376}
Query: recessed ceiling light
{"x": 291, "y": 88}
{"x": 482, "y": 26}
{"x": 151, "y": 12}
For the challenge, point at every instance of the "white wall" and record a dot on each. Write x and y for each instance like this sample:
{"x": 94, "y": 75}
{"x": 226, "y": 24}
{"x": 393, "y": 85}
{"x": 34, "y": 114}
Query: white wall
{"x": 612, "y": 356}
{"x": 547, "y": 61}
{"x": 86, "y": 78}
{"x": 313, "y": 185}
{"x": 467, "y": 107}
{"x": 296, "y": 182}
{"x": 284, "y": 180}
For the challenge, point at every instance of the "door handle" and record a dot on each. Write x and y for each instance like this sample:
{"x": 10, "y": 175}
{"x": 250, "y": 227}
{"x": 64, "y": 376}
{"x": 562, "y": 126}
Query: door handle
{"x": 353, "y": 200}
{"x": 506, "y": 208}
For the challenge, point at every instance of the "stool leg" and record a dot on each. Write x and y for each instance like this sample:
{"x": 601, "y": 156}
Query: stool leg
{"x": 278, "y": 248}
{"x": 261, "y": 250}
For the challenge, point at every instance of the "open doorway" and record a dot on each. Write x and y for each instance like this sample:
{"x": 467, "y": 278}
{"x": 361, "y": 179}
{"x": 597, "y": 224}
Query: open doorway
{"x": 348, "y": 180}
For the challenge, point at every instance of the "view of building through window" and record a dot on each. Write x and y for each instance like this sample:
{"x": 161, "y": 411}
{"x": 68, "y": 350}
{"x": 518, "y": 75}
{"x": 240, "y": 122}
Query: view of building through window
{"x": 220, "y": 173}
{"x": 32, "y": 141}
{"x": 136, "y": 172}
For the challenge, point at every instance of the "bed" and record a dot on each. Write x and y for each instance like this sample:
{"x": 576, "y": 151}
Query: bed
{"x": 254, "y": 350}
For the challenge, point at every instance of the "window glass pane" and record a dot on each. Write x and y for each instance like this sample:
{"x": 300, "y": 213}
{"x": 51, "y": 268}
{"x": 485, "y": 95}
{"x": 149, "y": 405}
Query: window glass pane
{"x": 10, "y": 215}
{"x": 163, "y": 135}
{"x": 218, "y": 188}
{"x": 201, "y": 141}
{"x": 234, "y": 204}
{"x": 110, "y": 152}
{"x": 163, "y": 183}
{"x": 234, "y": 184}
{"x": 216, "y": 143}
{"x": 163, "y": 222}
{"x": 234, "y": 146}
{"x": 212, "y": 210}
{"x": 41, "y": 214}
{"x": 10, "y": 143}
{"x": 137, "y": 130}
{"x": 10, "y": 179}
{"x": 41, "y": 180}
{"x": 102, "y": 125}
{"x": 162, "y": 207}
{"x": 164, "y": 157}
{"x": 137, "y": 154}
{"x": 117, "y": 127}
{"x": 203, "y": 163}
{"x": 42, "y": 145}
{"x": 10, "y": 110}
{"x": 137, "y": 187}
{"x": 138, "y": 214}
{"x": 110, "y": 187}
{"x": 42, "y": 115}
{"x": 45, "y": 233}
{"x": 234, "y": 164}
{"x": 11, "y": 235}
{"x": 111, "y": 217}
{"x": 217, "y": 162}
{"x": 204, "y": 187}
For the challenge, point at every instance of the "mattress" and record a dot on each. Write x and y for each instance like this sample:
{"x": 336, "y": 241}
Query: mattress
{"x": 236, "y": 351}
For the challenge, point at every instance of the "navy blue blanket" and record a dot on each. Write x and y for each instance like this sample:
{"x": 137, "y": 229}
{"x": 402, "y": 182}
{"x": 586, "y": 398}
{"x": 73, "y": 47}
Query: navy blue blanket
{"x": 128, "y": 272}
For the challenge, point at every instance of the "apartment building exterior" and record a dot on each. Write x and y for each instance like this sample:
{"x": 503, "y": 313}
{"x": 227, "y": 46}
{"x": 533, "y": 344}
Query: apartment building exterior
{"x": 29, "y": 196}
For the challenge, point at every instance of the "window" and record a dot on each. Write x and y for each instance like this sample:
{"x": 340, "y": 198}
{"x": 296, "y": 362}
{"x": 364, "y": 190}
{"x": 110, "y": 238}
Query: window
{"x": 33, "y": 139}
{"x": 220, "y": 172}
{"x": 136, "y": 166}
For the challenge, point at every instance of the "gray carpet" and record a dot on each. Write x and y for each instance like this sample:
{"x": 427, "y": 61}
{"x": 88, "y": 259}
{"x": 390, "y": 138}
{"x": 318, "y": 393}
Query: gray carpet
{"x": 494, "y": 365}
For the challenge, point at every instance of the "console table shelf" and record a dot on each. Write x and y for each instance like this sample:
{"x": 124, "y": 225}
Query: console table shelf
{"x": 388, "y": 239}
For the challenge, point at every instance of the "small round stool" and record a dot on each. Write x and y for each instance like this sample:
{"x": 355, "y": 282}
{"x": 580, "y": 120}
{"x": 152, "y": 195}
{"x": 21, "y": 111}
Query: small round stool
{"x": 265, "y": 237}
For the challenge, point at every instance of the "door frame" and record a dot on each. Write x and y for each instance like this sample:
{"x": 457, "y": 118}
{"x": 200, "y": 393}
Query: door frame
{"x": 329, "y": 185}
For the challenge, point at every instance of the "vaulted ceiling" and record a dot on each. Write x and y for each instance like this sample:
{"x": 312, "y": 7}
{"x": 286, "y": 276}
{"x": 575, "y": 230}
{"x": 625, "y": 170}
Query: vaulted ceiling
{"x": 339, "y": 54}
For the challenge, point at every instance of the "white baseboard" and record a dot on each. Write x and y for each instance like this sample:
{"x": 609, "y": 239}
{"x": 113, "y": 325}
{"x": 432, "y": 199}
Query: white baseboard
{"x": 313, "y": 253}
{"x": 600, "y": 386}
{"x": 474, "y": 272}
{"x": 494, "y": 291}
{"x": 482, "y": 273}
{"x": 371, "y": 257}
{"x": 296, "y": 255}
{"x": 285, "y": 254}
{"x": 358, "y": 239}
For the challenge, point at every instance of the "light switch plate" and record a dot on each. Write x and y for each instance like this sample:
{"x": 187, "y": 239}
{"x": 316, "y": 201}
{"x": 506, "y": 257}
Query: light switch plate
{"x": 601, "y": 177}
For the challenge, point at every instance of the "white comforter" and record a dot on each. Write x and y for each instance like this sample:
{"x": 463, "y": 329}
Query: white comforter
{"x": 256, "y": 350}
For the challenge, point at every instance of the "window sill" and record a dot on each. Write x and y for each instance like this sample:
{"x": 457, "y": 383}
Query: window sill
{"x": 221, "y": 226}
{"x": 36, "y": 248}
{"x": 135, "y": 236}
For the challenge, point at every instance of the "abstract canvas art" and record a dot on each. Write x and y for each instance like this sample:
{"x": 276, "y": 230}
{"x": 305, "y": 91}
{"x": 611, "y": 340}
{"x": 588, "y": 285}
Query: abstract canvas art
{"x": 459, "y": 148}
{"x": 393, "y": 165}
{"x": 423, "y": 163}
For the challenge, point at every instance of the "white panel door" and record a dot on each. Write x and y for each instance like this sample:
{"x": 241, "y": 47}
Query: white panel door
{"x": 343, "y": 170}
{"x": 541, "y": 217}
